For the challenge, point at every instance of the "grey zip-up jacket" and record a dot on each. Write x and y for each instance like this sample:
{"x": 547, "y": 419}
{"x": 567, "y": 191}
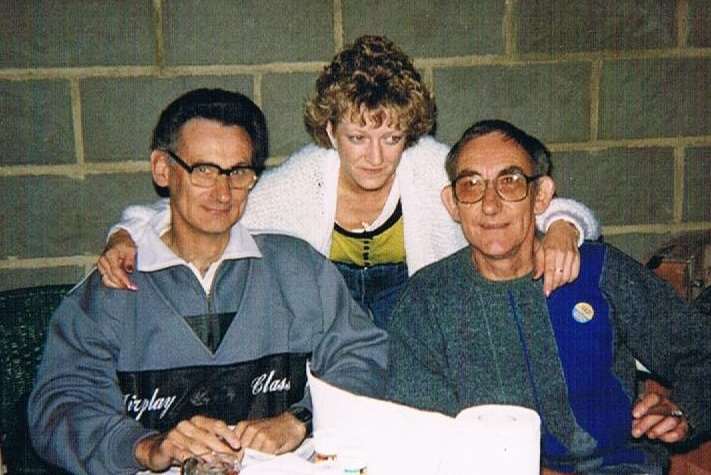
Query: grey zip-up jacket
{"x": 119, "y": 366}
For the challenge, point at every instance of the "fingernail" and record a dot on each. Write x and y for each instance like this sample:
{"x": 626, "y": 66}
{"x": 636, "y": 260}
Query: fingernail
{"x": 132, "y": 287}
{"x": 129, "y": 269}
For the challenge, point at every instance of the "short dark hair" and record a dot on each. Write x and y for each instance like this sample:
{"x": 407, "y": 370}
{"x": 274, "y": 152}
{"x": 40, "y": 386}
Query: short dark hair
{"x": 537, "y": 152}
{"x": 226, "y": 107}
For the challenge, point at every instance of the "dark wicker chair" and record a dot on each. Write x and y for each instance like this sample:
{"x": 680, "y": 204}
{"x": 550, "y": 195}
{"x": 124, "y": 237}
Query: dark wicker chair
{"x": 24, "y": 314}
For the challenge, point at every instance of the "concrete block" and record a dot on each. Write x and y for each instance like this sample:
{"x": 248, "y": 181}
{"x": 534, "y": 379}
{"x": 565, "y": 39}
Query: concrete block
{"x": 622, "y": 186}
{"x": 57, "y": 216}
{"x": 550, "y": 101}
{"x": 699, "y": 20}
{"x": 697, "y": 184}
{"x": 36, "y": 123}
{"x": 247, "y": 31}
{"x": 38, "y": 33}
{"x": 655, "y": 98}
{"x": 425, "y": 29}
{"x": 283, "y": 97}
{"x": 119, "y": 114}
{"x": 564, "y": 26}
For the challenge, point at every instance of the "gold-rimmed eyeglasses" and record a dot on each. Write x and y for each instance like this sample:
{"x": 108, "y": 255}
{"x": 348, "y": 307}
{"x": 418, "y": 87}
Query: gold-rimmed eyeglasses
{"x": 510, "y": 186}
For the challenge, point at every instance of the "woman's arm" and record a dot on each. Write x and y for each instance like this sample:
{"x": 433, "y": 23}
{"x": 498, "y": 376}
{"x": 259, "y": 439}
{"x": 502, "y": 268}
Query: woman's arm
{"x": 566, "y": 223}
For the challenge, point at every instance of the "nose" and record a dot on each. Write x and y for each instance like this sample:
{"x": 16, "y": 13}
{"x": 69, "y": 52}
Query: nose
{"x": 375, "y": 154}
{"x": 490, "y": 203}
{"x": 222, "y": 190}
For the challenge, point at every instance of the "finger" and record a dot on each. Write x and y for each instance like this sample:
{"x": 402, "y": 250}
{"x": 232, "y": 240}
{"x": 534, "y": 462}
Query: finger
{"x": 642, "y": 425}
{"x": 568, "y": 262}
{"x": 199, "y": 441}
{"x": 218, "y": 428}
{"x": 129, "y": 260}
{"x": 665, "y": 425}
{"x": 645, "y": 403}
{"x": 677, "y": 433}
{"x": 575, "y": 269}
{"x": 122, "y": 275}
{"x": 107, "y": 276}
{"x": 117, "y": 262}
{"x": 246, "y": 431}
{"x": 554, "y": 271}
{"x": 538, "y": 261}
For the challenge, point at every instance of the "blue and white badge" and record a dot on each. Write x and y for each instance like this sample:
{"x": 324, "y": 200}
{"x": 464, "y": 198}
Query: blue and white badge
{"x": 583, "y": 312}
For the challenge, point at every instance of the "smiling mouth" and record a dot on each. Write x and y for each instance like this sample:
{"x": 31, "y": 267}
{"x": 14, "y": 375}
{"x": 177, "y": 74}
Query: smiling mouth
{"x": 493, "y": 226}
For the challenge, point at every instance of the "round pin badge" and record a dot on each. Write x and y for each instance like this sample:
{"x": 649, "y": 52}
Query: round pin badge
{"x": 583, "y": 312}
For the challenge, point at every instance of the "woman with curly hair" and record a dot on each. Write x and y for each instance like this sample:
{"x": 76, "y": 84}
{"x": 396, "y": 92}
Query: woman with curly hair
{"x": 366, "y": 194}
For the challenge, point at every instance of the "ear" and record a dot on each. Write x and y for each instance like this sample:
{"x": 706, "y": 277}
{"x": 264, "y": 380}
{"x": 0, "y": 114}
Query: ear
{"x": 450, "y": 203}
{"x": 545, "y": 189}
{"x": 331, "y": 130}
{"x": 160, "y": 168}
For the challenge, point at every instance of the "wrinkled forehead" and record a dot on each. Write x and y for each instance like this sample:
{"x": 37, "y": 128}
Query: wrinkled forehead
{"x": 492, "y": 153}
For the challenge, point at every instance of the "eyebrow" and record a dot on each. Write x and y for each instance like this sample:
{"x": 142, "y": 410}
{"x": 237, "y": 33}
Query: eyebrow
{"x": 505, "y": 171}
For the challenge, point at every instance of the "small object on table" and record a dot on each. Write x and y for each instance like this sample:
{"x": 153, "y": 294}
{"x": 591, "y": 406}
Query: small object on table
{"x": 211, "y": 464}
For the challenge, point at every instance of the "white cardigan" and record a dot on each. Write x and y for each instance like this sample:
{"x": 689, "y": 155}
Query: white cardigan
{"x": 299, "y": 198}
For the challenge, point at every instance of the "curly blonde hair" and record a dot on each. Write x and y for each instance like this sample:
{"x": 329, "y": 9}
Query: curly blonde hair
{"x": 371, "y": 79}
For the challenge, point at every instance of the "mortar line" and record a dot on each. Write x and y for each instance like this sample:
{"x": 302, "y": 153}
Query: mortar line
{"x": 509, "y": 29}
{"x": 159, "y": 33}
{"x": 655, "y": 228}
{"x": 338, "y": 33}
{"x": 595, "y": 78}
{"x": 46, "y": 262}
{"x": 257, "y": 89}
{"x": 682, "y": 23}
{"x": 679, "y": 168}
{"x": 77, "y": 124}
{"x": 25, "y": 74}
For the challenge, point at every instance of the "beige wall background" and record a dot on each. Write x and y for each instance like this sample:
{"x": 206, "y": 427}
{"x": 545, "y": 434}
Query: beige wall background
{"x": 618, "y": 89}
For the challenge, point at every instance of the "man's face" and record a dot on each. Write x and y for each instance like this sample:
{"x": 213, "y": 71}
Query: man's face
{"x": 497, "y": 229}
{"x": 199, "y": 212}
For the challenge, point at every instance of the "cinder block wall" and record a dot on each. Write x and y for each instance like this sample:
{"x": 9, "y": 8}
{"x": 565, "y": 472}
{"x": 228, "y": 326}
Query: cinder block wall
{"x": 618, "y": 89}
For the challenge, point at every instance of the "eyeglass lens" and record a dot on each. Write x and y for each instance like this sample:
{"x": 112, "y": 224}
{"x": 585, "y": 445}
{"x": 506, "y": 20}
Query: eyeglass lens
{"x": 509, "y": 187}
{"x": 206, "y": 176}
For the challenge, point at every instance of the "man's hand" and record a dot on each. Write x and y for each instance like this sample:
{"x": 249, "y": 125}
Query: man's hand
{"x": 117, "y": 261}
{"x": 198, "y": 436}
{"x": 663, "y": 427}
{"x": 272, "y": 435}
{"x": 557, "y": 258}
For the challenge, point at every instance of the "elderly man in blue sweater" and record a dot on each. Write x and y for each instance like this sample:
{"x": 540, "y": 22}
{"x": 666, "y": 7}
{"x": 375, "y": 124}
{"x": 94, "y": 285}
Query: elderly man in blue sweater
{"x": 474, "y": 329}
{"x": 210, "y": 353}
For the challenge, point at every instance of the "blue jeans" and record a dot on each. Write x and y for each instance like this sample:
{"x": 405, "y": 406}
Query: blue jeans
{"x": 375, "y": 288}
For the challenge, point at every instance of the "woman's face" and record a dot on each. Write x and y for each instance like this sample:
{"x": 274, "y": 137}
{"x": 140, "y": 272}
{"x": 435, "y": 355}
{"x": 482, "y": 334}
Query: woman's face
{"x": 369, "y": 154}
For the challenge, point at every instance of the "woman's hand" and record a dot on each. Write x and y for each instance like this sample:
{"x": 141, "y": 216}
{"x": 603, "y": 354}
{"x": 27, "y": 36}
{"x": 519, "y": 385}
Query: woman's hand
{"x": 117, "y": 261}
{"x": 557, "y": 258}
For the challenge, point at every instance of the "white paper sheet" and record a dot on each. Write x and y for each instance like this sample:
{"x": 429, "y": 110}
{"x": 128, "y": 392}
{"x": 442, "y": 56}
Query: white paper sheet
{"x": 399, "y": 439}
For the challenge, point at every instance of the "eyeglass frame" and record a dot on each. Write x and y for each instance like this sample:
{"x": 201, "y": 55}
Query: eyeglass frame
{"x": 529, "y": 180}
{"x": 220, "y": 171}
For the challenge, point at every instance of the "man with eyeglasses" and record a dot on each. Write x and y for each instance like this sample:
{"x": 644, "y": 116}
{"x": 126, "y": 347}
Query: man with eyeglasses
{"x": 474, "y": 329}
{"x": 209, "y": 354}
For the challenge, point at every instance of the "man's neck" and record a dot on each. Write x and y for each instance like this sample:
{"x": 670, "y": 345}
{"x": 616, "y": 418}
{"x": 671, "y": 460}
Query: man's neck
{"x": 200, "y": 251}
{"x": 518, "y": 263}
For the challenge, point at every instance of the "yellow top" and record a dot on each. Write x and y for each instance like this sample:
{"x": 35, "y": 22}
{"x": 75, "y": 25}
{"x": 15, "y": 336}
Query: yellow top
{"x": 384, "y": 245}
